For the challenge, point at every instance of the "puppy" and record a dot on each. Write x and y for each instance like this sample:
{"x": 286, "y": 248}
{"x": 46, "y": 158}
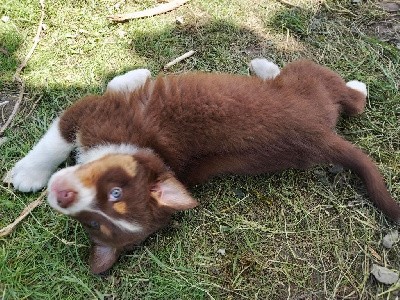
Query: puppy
{"x": 144, "y": 141}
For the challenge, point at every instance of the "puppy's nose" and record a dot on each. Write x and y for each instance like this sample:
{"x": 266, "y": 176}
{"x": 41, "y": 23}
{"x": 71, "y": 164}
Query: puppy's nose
{"x": 65, "y": 198}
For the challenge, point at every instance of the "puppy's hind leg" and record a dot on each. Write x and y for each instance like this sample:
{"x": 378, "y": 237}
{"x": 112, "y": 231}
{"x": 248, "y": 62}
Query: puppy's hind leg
{"x": 354, "y": 98}
{"x": 263, "y": 68}
{"x": 358, "y": 86}
{"x": 129, "y": 81}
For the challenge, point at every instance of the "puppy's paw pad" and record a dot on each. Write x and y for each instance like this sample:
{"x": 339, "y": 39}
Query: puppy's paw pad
{"x": 27, "y": 178}
{"x": 129, "y": 81}
{"x": 358, "y": 86}
{"x": 264, "y": 68}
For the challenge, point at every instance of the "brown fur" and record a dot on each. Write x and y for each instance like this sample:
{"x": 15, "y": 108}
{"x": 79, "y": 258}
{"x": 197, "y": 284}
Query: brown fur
{"x": 202, "y": 125}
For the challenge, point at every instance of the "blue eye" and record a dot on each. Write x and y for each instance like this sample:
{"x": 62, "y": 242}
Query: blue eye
{"x": 93, "y": 225}
{"x": 115, "y": 194}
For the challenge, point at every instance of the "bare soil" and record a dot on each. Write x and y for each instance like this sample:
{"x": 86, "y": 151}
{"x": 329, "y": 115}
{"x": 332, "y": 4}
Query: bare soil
{"x": 388, "y": 28}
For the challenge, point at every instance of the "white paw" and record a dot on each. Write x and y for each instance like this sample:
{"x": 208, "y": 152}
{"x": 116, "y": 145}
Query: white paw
{"x": 129, "y": 81}
{"x": 28, "y": 176}
{"x": 264, "y": 68}
{"x": 358, "y": 86}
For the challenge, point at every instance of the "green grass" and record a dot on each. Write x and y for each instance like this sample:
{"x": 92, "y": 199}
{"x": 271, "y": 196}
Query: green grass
{"x": 296, "y": 235}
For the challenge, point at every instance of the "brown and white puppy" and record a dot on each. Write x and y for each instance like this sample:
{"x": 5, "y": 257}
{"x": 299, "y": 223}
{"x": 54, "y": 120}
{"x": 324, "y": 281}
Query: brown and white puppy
{"x": 142, "y": 141}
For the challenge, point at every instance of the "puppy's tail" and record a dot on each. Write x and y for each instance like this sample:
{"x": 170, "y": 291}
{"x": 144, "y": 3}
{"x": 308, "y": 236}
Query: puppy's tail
{"x": 344, "y": 153}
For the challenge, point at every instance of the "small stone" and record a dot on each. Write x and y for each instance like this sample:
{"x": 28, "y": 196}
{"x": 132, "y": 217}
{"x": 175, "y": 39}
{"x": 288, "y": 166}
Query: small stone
{"x": 390, "y": 239}
{"x": 179, "y": 20}
{"x": 121, "y": 33}
{"x": 221, "y": 251}
{"x": 83, "y": 31}
{"x": 5, "y": 19}
{"x": 356, "y": 1}
{"x": 384, "y": 275}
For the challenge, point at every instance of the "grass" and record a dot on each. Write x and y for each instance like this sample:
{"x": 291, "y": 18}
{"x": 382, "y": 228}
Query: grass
{"x": 295, "y": 235}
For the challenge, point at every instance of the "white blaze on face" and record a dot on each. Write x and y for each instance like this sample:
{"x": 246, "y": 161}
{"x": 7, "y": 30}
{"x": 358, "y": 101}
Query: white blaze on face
{"x": 66, "y": 180}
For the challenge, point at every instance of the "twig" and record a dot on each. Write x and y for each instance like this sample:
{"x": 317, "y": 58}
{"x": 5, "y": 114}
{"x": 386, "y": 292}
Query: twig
{"x": 35, "y": 42}
{"x": 4, "y": 103}
{"x": 160, "y": 9}
{"x": 31, "y": 206}
{"x": 31, "y": 110}
{"x": 178, "y": 59}
{"x": 17, "y": 77}
{"x": 283, "y": 2}
{"x": 4, "y": 51}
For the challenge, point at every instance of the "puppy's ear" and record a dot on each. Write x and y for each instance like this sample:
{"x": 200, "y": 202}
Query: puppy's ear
{"x": 164, "y": 187}
{"x": 102, "y": 258}
{"x": 170, "y": 192}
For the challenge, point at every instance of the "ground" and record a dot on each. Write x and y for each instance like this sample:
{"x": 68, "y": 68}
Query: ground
{"x": 293, "y": 235}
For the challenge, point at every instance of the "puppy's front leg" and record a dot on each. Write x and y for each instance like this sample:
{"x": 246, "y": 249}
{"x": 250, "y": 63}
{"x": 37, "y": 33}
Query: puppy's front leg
{"x": 32, "y": 172}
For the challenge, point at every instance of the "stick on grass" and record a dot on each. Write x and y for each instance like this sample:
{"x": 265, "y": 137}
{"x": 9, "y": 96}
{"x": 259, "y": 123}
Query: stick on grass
{"x": 160, "y": 9}
{"x": 178, "y": 59}
{"x": 31, "y": 206}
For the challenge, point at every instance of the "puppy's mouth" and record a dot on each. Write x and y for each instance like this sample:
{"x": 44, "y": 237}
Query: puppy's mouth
{"x": 66, "y": 194}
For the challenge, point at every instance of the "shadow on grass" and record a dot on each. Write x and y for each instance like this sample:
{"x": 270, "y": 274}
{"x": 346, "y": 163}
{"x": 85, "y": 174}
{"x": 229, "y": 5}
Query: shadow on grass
{"x": 220, "y": 46}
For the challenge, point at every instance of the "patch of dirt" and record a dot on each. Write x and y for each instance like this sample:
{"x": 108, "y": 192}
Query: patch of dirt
{"x": 7, "y": 101}
{"x": 388, "y": 30}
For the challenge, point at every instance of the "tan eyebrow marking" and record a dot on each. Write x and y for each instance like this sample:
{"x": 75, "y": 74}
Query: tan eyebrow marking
{"x": 105, "y": 230}
{"x": 120, "y": 207}
{"x": 90, "y": 173}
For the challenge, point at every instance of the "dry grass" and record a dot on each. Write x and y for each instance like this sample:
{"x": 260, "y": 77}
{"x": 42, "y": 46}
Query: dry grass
{"x": 295, "y": 235}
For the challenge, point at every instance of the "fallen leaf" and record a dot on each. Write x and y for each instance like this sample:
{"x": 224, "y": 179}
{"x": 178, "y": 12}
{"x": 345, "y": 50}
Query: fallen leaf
{"x": 374, "y": 253}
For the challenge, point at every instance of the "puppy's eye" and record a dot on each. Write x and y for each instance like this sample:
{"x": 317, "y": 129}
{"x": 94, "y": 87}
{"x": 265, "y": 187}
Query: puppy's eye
{"x": 115, "y": 194}
{"x": 94, "y": 225}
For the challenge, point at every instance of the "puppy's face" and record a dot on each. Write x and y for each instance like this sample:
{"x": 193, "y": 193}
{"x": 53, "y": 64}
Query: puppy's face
{"x": 120, "y": 199}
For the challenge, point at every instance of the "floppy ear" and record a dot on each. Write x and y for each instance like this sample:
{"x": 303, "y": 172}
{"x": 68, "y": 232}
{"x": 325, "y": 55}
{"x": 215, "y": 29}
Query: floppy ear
{"x": 170, "y": 192}
{"x": 102, "y": 258}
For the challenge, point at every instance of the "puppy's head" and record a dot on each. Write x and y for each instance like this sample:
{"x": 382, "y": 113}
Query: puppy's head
{"x": 120, "y": 199}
